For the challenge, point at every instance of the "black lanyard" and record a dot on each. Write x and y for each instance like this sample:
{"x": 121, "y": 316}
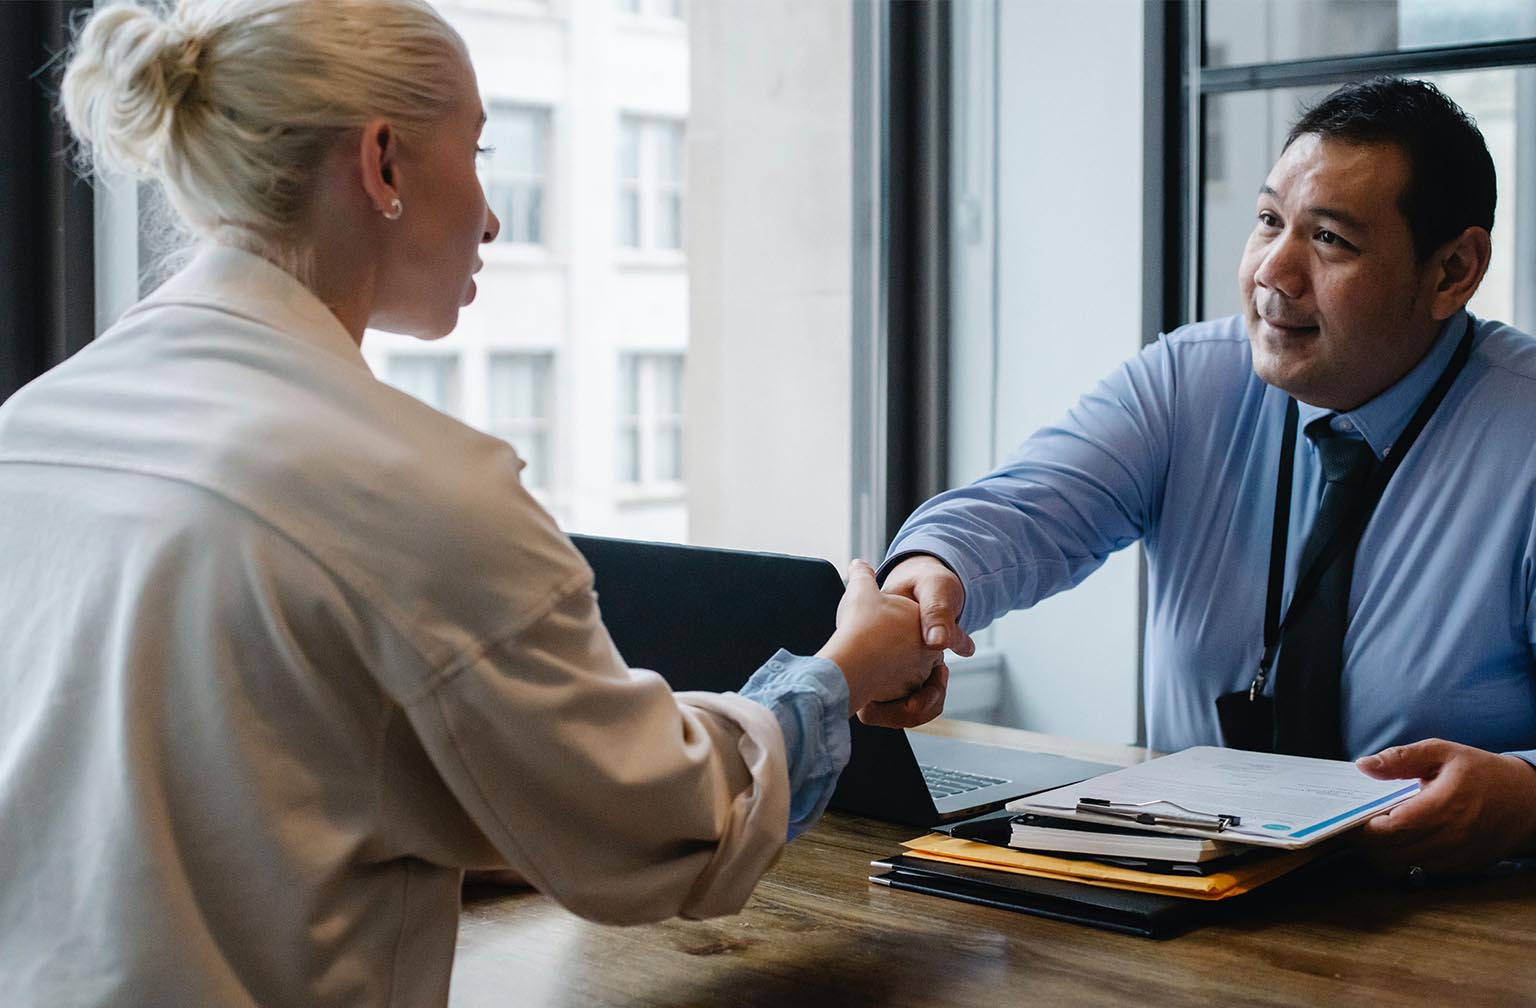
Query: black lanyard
{"x": 1349, "y": 531}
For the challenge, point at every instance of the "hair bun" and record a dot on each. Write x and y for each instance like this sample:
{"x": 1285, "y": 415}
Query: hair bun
{"x": 129, "y": 74}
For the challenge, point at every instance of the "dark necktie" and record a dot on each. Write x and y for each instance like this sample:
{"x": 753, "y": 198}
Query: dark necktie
{"x": 1308, "y": 716}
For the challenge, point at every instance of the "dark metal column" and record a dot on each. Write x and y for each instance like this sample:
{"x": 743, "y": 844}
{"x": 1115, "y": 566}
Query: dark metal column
{"x": 47, "y": 277}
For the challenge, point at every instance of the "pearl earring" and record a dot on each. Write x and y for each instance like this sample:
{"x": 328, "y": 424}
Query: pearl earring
{"x": 396, "y": 208}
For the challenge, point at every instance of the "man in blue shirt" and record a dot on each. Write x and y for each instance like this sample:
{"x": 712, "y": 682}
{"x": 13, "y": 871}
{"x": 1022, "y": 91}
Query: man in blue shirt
{"x": 1371, "y": 234}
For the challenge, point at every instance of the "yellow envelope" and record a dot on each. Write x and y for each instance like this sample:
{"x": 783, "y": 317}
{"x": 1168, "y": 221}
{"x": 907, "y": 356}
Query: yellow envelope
{"x": 1217, "y": 885}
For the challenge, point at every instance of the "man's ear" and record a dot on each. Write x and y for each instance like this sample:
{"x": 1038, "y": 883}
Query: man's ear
{"x": 377, "y": 156}
{"x": 1456, "y": 269}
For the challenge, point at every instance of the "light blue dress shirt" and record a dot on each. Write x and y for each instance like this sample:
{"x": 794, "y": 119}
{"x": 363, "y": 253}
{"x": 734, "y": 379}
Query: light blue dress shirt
{"x": 809, "y": 696}
{"x": 1179, "y": 449}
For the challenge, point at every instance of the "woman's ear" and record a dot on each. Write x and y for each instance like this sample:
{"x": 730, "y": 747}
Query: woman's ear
{"x": 377, "y": 155}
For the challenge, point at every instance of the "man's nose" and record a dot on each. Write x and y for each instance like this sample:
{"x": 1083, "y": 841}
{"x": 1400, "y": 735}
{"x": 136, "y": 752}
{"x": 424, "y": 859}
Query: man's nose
{"x": 1283, "y": 266}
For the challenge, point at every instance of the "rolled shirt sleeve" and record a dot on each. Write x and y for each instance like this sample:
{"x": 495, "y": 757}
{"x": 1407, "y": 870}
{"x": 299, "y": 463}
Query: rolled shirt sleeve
{"x": 809, "y": 697}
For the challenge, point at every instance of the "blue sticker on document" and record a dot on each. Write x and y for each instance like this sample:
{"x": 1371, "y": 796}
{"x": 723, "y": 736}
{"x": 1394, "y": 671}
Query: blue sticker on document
{"x": 1276, "y": 826}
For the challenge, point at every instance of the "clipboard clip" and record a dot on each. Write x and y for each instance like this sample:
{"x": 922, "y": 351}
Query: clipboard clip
{"x": 1138, "y": 812}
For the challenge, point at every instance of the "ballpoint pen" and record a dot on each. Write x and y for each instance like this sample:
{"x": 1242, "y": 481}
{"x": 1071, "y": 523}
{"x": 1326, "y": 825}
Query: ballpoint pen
{"x": 1139, "y": 812}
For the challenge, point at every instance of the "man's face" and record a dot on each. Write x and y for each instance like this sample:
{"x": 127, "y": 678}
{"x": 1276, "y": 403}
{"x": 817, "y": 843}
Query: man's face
{"x": 1336, "y": 303}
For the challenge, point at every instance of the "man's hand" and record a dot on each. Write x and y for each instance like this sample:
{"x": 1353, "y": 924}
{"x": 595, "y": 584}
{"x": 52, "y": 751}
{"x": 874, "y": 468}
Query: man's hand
{"x": 939, "y": 596}
{"x": 894, "y": 679}
{"x": 918, "y": 707}
{"x": 1475, "y": 808}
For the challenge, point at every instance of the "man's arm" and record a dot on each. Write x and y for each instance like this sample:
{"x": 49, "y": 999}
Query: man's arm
{"x": 1474, "y": 808}
{"x": 1050, "y": 515}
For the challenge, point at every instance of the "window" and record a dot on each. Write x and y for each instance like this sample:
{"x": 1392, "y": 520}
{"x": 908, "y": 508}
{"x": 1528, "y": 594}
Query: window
{"x": 650, "y": 183}
{"x": 514, "y": 171}
{"x": 518, "y": 409}
{"x": 651, "y": 419}
{"x": 432, "y": 378}
{"x": 1252, "y": 94}
{"x": 762, "y": 317}
{"x": 672, "y": 9}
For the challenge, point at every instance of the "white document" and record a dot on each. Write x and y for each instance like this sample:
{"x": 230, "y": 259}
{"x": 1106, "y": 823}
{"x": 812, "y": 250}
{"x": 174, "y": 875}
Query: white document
{"x": 1280, "y": 801}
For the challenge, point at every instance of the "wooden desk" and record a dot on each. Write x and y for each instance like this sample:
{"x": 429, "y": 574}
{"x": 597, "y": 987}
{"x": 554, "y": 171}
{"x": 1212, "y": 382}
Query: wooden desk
{"x": 817, "y": 933}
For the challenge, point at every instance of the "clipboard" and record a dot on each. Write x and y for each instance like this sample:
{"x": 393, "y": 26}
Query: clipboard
{"x": 1267, "y": 799}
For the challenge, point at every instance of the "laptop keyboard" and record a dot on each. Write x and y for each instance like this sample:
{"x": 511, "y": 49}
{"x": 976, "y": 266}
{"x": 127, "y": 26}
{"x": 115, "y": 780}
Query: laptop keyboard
{"x": 945, "y": 783}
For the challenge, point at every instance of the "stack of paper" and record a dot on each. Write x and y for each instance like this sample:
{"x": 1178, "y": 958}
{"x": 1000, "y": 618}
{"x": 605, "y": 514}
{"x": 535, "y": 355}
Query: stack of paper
{"x": 1239, "y": 878}
{"x": 1205, "y": 825}
{"x": 1029, "y": 831}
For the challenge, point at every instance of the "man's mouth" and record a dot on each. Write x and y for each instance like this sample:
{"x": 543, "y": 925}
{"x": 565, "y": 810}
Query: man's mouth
{"x": 1289, "y": 327}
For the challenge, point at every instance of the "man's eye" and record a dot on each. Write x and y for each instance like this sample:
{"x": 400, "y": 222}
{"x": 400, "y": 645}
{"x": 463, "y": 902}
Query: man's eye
{"x": 484, "y": 152}
{"x": 1329, "y": 238}
{"x": 1268, "y": 219}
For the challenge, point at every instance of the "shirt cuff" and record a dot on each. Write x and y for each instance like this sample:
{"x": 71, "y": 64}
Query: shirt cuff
{"x": 907, "y": 554}
{"x": 917, "y": 545}
{"x": 809, "y": 697}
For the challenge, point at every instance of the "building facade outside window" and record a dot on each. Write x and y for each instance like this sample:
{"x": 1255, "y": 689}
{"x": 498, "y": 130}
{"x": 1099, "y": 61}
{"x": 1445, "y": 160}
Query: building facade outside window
{"x": 757, "y": 316}
{"x": 650, "y": 426}
{"x": 515, "y": 169}
{"x": 432, "y": 378}
{"x": 672, "y": 9}
{"x": 650, "y": 204}
{"x": 519, "y": 400}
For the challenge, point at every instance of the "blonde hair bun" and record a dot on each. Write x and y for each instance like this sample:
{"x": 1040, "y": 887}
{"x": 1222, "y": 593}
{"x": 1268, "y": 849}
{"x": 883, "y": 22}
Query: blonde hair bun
{"x": 232, "y": 105}
{"x": 130, "y": 74}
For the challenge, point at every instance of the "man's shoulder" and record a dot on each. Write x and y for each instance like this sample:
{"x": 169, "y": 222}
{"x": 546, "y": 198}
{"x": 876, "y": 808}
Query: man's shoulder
{"x": 1227, "y": 336}
{"x": 1503, "y": 348}
{"x": 1211, "y": 352}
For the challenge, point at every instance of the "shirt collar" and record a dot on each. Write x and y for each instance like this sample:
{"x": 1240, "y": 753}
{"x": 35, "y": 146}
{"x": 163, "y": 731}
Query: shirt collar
{"x": 1381, "y": 420}
{"x": 245, "y": 284}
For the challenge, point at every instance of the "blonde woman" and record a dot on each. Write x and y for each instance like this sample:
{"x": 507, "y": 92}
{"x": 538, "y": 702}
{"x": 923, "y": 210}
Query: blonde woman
{"x": 285, "y": 650}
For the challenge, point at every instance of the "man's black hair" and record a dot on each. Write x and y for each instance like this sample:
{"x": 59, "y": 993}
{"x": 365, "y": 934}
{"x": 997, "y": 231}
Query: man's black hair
{"x": 1451, "y": 180}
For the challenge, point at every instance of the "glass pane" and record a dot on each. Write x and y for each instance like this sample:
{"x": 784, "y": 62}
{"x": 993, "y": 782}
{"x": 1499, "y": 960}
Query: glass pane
{"x": 629, "y": 218}
{"x": 516, "y": 387}
{"x": 629, "y": 454}
{"x": 669, "y": 152}
{"x": 669, "y": 385}
{"x": 1262, "y": 31}
{"x": 1246, "y": 129}
{"x": 629, "y": 386}
{"x": 669, "y": 220}
{"x": 520, "y": 208}
{"x": 516, "y": 136}
{"x": 629, "y": 149}
{"x": 531, "y": 448}
{"x": 432, "y": 379}
{"x": 533, "y": 216}
{"x": 669, "y": 453}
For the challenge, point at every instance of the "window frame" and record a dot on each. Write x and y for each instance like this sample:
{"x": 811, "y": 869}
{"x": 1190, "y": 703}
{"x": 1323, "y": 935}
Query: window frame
{"x": 648, "y": 423}
{"x": 543, "y": 118}
{"x": 647, "y": 187}
{"x": 1183, "y": 301}
{"x": 540, "y": 427}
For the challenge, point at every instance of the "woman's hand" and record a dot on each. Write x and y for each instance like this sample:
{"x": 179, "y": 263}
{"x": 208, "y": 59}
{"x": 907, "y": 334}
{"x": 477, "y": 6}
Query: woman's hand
{"x": 894, "y": 679}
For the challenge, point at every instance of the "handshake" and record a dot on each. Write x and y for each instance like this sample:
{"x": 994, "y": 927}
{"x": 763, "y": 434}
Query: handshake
{"x": 890, "y": 644}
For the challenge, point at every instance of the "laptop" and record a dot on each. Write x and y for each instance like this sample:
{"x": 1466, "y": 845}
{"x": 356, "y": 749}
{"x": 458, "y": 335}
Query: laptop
{"x": 706, "y": 619}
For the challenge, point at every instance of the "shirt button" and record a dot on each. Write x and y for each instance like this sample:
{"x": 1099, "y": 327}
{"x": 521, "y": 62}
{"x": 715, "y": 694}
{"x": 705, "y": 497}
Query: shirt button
{"x": 1346, "y": 425}
{"x": 776, "y": 665}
